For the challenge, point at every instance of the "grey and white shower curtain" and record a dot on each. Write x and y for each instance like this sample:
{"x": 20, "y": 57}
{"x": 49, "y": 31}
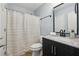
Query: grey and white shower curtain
{"x": 23, "y": 30}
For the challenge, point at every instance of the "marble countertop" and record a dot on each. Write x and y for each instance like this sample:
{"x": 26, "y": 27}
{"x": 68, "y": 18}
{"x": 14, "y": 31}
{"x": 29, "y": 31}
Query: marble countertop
{"x": 65, "y": 40}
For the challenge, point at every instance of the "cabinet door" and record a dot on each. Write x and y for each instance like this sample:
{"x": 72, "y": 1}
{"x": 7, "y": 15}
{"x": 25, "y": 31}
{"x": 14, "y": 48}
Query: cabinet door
{"x": 47, "y": 47}
{"x": 76, "y": 52}
{"x": 58, "y": 49}
{"x": 63, "y": 50}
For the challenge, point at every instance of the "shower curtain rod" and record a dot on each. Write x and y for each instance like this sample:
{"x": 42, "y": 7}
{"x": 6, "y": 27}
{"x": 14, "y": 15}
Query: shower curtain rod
{"x": 18, "y": 11}
{"x": 46, "y": 17}
{"x": 15, "y": 10}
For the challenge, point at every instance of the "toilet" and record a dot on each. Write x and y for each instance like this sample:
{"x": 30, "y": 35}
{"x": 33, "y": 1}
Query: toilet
{"x": 37, "y": 49}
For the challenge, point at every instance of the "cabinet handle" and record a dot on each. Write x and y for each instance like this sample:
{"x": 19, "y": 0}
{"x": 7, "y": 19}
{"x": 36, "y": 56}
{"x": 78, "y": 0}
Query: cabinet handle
{"x": 54, "y": 50}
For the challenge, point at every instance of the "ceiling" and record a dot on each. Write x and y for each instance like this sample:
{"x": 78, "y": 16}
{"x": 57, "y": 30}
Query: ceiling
{"x": 28, "y": 6}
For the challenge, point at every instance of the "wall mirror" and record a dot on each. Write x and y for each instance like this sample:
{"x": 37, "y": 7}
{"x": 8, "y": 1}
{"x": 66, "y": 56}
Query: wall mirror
{"x": 65, "y": 17}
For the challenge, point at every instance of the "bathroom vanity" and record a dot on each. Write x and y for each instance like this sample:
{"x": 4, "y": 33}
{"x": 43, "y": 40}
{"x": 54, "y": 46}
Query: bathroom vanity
{"x": 60, "y": 46}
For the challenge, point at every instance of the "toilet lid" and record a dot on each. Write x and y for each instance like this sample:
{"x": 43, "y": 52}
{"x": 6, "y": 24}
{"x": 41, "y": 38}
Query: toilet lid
{"x": 37, "y": 45}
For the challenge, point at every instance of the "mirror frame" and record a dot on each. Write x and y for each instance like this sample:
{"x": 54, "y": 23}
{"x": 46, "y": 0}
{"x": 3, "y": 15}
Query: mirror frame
{"x": 54, "y": 18}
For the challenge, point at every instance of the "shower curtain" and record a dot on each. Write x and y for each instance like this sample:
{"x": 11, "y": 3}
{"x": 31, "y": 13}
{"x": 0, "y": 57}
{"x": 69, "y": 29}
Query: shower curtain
{"x": 23, "y": 30}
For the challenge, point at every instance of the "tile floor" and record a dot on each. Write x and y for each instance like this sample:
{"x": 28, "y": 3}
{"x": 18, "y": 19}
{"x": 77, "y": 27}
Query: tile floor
{"x": 28, "y": 53}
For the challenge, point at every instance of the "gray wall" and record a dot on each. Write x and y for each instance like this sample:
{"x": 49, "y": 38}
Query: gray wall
{"x": 47, "y": 23}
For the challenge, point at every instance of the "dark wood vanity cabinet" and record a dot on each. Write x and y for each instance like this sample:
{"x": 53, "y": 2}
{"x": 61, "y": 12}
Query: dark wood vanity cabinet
{"x": 53, "y": 48}
{"x": 47, "y": 47}
{"x": 62, "y": 49}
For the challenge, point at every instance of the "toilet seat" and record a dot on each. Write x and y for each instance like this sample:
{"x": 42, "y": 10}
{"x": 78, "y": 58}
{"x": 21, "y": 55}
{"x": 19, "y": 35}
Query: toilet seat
{"x": 36, "y": 45}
